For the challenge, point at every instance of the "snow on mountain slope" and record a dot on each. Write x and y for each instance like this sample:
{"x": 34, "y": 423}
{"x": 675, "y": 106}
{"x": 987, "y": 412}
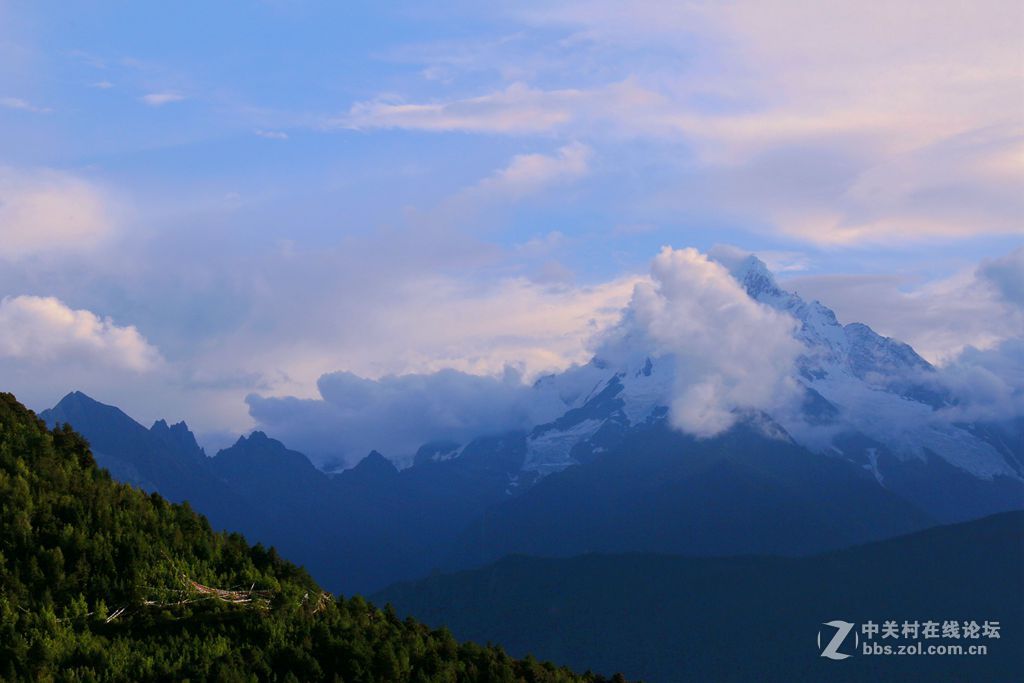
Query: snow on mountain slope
{"x": 880, "y": 385}
{"x": 856, "y": 382}
{"x": 550, "y": 450}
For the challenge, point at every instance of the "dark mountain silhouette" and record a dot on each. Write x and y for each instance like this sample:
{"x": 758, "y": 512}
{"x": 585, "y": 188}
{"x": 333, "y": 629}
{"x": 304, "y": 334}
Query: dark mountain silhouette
{"x": 356, "y": 531}
{"x": 663, "y": 491}
{"x": 669, "y": 618}
{"x": 163, "y": 458}
{"x": 373, "y": 469}
{"x": 262, "y": 469}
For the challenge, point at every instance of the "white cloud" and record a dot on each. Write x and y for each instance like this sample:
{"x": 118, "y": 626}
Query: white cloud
{"x": 50, "y": 211}
{"x": 515, "y": 110}
{"x": 919, "y": 99}
{"x": 953, "y": 187}
{"x": 528, "y": 173}
{"x": 272, "y": 134}
{"x": 525, "y": 176}
{"x": 425, "y": 324}
{"x": 44, "y": 329}
{"x": 731, "y": 354}
{"x": 922, "y": 69}
{"x": 23, "y": 105}
{"x": 159, "y": 99}
{"x": 938, "y": 69}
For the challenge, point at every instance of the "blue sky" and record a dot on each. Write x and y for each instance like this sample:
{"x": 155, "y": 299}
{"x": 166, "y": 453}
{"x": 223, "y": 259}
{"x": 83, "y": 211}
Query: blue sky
{"x": 220, "y": 199}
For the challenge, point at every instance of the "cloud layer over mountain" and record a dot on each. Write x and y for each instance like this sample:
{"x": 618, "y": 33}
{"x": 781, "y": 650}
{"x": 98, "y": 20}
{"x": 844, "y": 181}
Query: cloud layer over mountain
{"x": 730, "y": 353}
{"x": 397, "y": 414}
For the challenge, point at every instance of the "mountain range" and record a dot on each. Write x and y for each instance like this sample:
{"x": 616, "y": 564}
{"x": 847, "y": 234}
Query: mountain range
{"x": 869, "y": 452}
{"x": 101, "y": 582}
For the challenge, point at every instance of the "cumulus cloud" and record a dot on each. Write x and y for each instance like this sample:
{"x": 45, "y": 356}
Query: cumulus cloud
{"x": 47, "y": 210}
{"x": 731, "y": 354}
{"x": 398, "y": 413}
{"x": 44, "y": 329}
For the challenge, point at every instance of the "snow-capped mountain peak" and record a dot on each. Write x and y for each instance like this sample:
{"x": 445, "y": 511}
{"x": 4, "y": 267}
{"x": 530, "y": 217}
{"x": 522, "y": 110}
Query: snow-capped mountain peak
{"x": 753, "y": 275}
{"x": 857, "y": 387}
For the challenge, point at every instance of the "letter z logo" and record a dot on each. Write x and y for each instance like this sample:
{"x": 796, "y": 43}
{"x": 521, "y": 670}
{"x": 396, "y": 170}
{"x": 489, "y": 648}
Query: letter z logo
{"x": 843, "y": 629}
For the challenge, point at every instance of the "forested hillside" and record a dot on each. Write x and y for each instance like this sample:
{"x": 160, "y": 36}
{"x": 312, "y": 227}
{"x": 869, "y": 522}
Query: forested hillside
{"x": 100, "y": 581}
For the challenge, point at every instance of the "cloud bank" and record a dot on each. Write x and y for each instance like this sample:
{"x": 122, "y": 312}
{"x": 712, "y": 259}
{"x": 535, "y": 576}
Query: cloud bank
{"x": 398, "y": 413}
{"x": 730, "y": 355}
